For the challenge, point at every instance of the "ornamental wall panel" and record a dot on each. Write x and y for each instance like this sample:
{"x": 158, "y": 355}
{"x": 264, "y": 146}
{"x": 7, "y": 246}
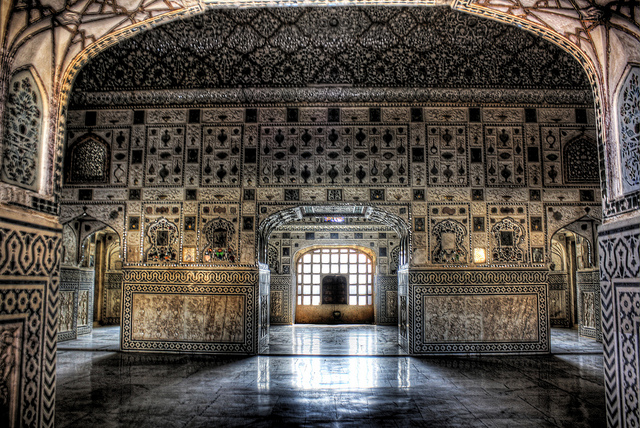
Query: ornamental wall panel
{"x": 202, "y": 311}
{"x": 29, "y": 299}
{"x": 619, "y": 244}
{"x": 503, "y": 311}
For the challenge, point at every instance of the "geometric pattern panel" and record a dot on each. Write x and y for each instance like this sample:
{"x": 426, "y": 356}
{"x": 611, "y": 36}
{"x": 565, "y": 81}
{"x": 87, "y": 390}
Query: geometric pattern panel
{"x": 29, "y": 258}
{"x": 619, "y": 250}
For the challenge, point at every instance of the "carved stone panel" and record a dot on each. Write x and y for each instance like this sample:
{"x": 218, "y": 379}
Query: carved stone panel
{"x": 22, "y": 125}
{"x": 12, "y": 334}
{"x": 629, "y": 125}
{"x": 67, "y": 313}
{"x": 204, "y": 318}
{"x": 480, "y": 318}
{"x": 83, "y": 307}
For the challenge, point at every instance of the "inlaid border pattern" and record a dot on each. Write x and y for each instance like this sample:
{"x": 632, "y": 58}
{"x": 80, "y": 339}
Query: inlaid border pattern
{"x": 177, "y": 277}
{"x": 198, "y": 97}
{"x": 477, "y": 277}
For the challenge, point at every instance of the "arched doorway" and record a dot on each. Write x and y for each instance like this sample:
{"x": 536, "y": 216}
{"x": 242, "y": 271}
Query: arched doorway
{"x": 91, "y": 278}
{"x": 573, "y": 280}
{"x": 366, "y": 297}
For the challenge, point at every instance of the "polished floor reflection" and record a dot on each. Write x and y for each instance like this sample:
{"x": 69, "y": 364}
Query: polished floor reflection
{"x": 312, "y": 339}
{"x": 98, "y": 387}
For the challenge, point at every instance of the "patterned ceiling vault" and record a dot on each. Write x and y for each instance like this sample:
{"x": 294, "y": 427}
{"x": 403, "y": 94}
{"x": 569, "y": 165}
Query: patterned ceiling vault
{"x": 364, "y": 47}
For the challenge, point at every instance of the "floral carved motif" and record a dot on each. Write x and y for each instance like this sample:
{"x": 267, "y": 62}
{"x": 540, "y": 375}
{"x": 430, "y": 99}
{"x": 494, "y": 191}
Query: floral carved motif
{"x": 22, "y": 130}
{"x": 629, "y": 117}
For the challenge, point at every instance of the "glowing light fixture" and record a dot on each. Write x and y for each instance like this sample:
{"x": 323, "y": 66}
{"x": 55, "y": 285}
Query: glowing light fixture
{"x": 479, "y": 255}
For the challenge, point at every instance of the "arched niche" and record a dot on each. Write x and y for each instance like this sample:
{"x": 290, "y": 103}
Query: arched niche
{"x": 88, "y": 160}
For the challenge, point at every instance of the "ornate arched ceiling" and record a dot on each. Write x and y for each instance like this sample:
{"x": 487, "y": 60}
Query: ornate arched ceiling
{"x": 361, "y": 47}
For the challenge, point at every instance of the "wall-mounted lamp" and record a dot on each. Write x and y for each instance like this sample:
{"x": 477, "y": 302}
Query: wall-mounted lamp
{"x": 479, "y": 255}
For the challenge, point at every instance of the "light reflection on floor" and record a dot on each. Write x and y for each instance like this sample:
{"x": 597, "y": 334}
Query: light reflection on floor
{"x": 316, "y": 339}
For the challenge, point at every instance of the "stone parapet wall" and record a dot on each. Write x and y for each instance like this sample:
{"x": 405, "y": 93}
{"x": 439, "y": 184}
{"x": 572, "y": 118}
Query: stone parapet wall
{"x": 189, "y": 310}
{"x": 470, "y": 312}
{"x": 76, "y": 302}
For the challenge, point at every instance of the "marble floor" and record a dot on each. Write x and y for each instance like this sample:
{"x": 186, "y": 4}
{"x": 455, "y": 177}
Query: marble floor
{"x": 99, "y": 387}
{"x": 309, "y": 339}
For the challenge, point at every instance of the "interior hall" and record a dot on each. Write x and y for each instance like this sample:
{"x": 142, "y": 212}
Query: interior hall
{"x": 253, "y": 214}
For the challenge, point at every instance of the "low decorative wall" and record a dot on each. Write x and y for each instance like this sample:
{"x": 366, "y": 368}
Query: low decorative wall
{"x": 588, "y": 284}
{"x": 469, "y": 312}
{"x": 76, "y": 302}
{"x": 559, "y": 299}
{"x": 189, "y": 310}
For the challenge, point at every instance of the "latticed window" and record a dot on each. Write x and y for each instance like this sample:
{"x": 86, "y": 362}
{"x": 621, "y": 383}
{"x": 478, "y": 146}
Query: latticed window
{"x": 334, "y": 276}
